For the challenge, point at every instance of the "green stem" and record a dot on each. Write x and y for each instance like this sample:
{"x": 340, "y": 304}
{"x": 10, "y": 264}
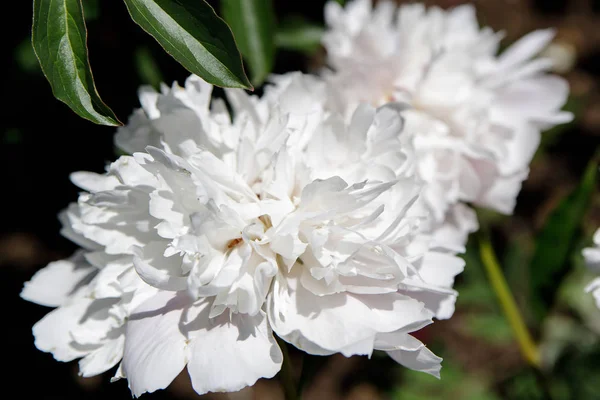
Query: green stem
{"x": 286, "y": 374}
{"x": 528, "y": 347}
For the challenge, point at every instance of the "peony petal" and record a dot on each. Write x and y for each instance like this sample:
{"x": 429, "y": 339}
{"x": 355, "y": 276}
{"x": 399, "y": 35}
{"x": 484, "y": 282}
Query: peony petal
{"x": 525, "y": 48}
{"x": 53, "y": 332}
{"x": 453, "y": 234}
{"x": 137, "y": 134}
{"x": 337, "y": 322}
{"x": 520, "y": 149}
{"x": 439, "y": 300}
{"x": 594, "y": 288}
{"x": 231, "y": 352}
{"x": 409, "y": 351}
{"x": 148, "y": 97}
{"x": 156, "y": 269}
{"x": 53, "y": 285}
{"x": 536, "y": 98}
{"x": 155, "y": 348}
{"x": 93, "y": 182}
{"x": 502, "y": 196}
{"x": 591, "y": 255}
{"x": 70, "y": 218}
{"x": 419, "y": 360}
{"x": 439, "y": 269}
{"x": 102, "y": 359}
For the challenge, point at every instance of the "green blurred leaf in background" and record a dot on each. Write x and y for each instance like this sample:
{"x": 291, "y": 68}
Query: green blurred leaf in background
{"x": 483, "y": 319}
{"x": 298, "y": 34}
{"x": 191, "y": 32}
{"x": 556, "y": 241}
{"x": 59, "y": 39}
{"x": 92, "y": 9}
{"x": 25, "y": 57}
{"x": 455, "y": 384}
{"x": 253, "y": 26}
{"x": 147, "y": 68}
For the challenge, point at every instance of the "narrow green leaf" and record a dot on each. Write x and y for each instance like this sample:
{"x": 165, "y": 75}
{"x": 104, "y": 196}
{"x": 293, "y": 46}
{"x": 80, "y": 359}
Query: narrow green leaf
{"x": 191, "y": 32}
{"x": 253, "y": 25}
{"x": 556, "y": 240}
{"x": 59, "y": 41}
{"x": 296, "y": 33}
{"x": 515, "y": 260}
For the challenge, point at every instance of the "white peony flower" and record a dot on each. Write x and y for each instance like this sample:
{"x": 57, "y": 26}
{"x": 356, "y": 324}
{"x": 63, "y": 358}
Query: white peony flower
{"x": 476, "y": 116}
{"x": 591, "y": 256}
{"x": 93, "y": 293}
{"x": 284, "y": 218}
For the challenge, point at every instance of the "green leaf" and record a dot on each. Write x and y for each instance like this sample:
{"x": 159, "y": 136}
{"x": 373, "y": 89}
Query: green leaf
{"x": 253, "y": 25}
{"x": 296, "y": 33}
{"x": 516, "y": 258}
{"x": 59, "y": 41}
{"x": 191, "y": 32}
{"x": 556, "y": 241}
{"x": 147, "y": 67}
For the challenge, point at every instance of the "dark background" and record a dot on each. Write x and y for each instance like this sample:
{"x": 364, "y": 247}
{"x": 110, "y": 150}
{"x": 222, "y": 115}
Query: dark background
{"x": 43, "y": 141}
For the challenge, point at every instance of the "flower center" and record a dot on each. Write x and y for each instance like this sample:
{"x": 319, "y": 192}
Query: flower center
{"x": 234, "y": 242}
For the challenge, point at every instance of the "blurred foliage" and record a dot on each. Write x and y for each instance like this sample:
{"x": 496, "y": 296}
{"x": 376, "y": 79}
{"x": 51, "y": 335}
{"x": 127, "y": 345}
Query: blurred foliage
{"x": 147, "y": 68}
{"x": 569, "y": 340}
{"x": 557, "y": 240}
{"x": 91, "y": 9}
{"x": 296, "y": 33}
{"x": 456, "y": 383}
{"x": 25, "y": 57}
{"x": 253, "y": 25}
{"x": 489, "y": 327}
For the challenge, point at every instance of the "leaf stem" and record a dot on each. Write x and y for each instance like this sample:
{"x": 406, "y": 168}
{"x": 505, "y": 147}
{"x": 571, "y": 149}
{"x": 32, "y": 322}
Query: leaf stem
{"x": 286, "y": 374}
{"x": 527, "y": 346}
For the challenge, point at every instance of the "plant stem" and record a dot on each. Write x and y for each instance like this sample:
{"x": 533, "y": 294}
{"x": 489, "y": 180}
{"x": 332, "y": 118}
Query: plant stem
{"x": 286, "y": 374}
{"x": 528, "y": 348}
